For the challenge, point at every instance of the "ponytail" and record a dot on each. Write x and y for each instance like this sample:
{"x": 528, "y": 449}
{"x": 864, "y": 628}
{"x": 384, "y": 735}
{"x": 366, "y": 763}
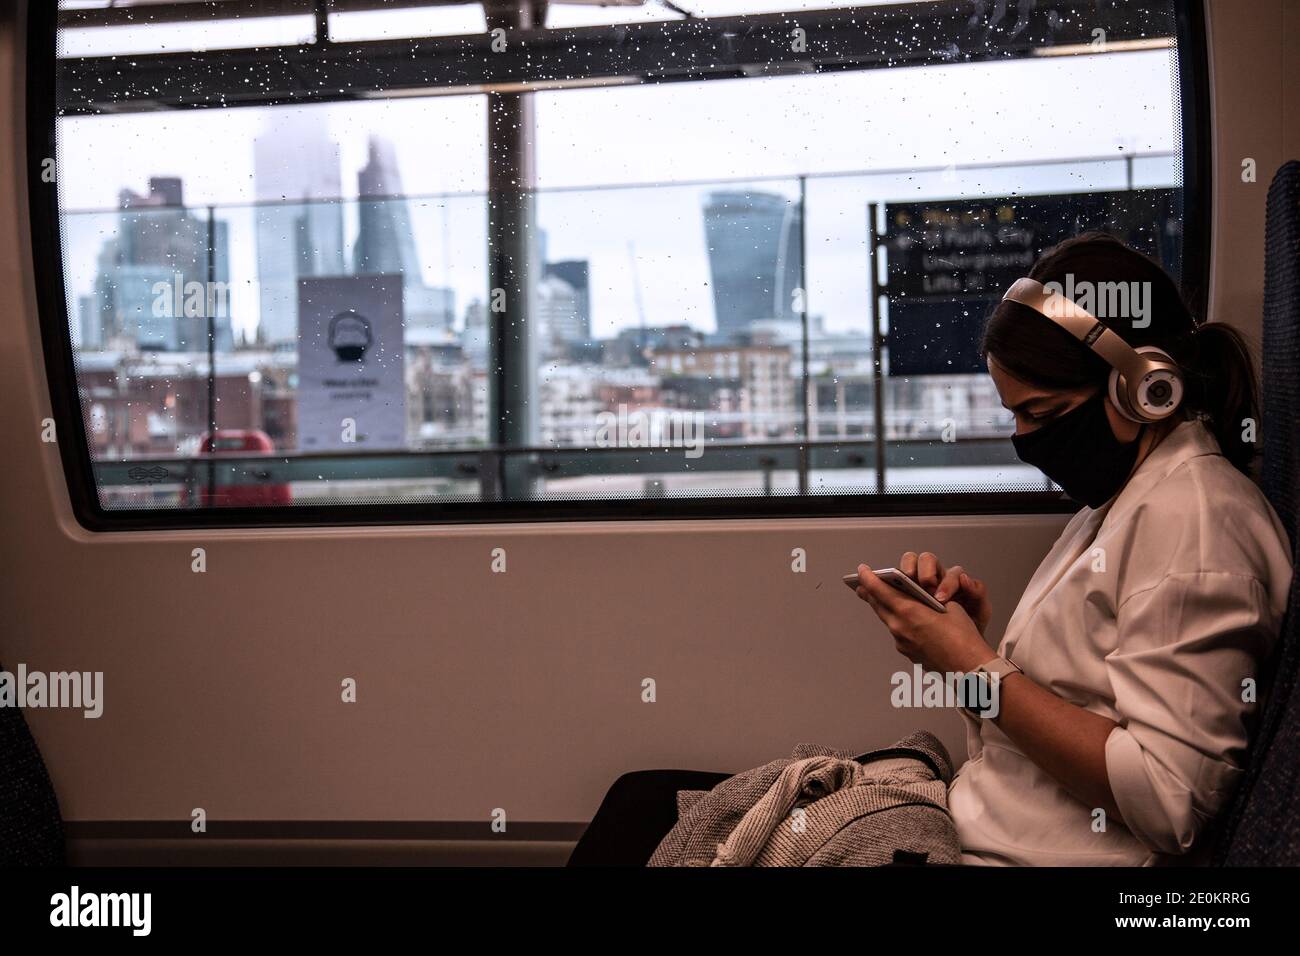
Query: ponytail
{"x": 1221, "y": 386}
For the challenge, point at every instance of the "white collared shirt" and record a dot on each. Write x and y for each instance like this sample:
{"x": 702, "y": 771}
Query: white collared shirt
{"x": 1156, "y": 611}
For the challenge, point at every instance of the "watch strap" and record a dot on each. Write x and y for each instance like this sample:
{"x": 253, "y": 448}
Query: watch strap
{"x": 999, "y": 666}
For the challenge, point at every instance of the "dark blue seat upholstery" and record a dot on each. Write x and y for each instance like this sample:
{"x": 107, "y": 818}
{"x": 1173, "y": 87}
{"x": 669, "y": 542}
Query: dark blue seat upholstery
{"x": 1262, "y": 826}
{"x": 31, "y": 830}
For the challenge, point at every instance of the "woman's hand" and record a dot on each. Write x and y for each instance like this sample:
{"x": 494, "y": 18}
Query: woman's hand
{"x": 953, "y": 584}
{"x": 948, "y": 643}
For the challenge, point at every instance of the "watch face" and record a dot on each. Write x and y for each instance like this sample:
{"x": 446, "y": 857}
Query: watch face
{"x": 975, "y": 693}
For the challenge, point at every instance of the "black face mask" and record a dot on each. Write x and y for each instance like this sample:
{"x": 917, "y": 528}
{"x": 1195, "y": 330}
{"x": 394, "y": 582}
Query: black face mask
{"x": 1079, "y": 451}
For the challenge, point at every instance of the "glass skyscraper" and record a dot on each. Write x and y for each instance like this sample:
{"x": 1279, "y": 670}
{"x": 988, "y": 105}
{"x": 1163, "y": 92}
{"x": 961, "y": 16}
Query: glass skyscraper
{"x": 299, "y": 219}
{"x": 754, "y": 261}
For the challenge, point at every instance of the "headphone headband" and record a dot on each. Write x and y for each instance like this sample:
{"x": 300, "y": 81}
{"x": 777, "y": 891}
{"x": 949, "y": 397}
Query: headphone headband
{"x": 1143, "y": 388}
{"x": 1080, "y": 323}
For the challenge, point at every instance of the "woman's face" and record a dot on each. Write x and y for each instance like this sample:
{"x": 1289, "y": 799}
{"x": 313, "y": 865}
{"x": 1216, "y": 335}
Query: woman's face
{"x": 1034, "y": 407}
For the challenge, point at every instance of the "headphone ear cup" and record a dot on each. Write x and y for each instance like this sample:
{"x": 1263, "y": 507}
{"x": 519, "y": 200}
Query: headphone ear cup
{"x": 1162, "y": 391}
{"x": 1118, "y": 390}
{"x": 1160, "y": 355}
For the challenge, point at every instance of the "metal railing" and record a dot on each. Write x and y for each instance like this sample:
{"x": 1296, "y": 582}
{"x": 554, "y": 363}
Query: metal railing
{"x": 186, "y": 477}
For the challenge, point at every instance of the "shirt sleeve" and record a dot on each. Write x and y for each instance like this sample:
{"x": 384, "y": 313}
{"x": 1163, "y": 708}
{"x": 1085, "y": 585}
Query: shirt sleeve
{"x": 1185, "y": 648}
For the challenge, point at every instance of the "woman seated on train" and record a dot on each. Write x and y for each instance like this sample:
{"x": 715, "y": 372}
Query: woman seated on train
{"x": 1127, "y": 675}
{"x": 1124, "y": 714}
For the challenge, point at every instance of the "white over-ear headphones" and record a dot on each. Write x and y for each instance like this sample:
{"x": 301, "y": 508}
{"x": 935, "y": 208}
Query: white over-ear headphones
{"x": 1146, "y": 384}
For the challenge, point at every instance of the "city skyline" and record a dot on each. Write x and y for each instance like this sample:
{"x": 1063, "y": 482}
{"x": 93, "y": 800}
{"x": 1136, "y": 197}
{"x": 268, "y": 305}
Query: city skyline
{"x": 752, "y": 235}
{"x": 753, "y": 247}
{"x": 677, "y": 294}
{"x": 724, "y": 133}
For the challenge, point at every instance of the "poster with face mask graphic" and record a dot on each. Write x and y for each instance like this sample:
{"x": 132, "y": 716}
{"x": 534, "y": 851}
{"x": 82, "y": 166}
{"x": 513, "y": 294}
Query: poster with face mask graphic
{"x": 351, "y": 365}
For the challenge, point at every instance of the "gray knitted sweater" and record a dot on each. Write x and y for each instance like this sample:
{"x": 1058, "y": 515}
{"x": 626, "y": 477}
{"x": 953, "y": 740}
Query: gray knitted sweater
{"x": 821, "y": 807}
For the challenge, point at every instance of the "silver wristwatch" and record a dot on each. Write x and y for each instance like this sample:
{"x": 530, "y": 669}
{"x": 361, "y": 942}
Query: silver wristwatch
{"x": 979, "y": 685}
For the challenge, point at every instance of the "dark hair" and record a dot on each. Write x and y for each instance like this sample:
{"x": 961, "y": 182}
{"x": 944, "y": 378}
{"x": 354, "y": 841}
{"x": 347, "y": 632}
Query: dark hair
{"x": 1219, "y": 373}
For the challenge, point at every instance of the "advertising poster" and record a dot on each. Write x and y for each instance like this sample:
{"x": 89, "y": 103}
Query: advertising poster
{"x": 351, "y": 365}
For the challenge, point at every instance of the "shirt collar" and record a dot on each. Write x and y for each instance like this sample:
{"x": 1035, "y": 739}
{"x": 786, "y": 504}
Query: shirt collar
{"x": 1189, "y": 439}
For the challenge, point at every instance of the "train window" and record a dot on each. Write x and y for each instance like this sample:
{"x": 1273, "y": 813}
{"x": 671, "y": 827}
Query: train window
{"x": 516, "y": 261}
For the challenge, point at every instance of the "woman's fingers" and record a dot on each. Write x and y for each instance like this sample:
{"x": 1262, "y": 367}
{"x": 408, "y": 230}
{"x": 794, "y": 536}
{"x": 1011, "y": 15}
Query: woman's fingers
{"x": 974, "y": 596}
{"x": 950, "y": 583}
{"x": 973, "y": 591}
{"x": 929, "y": 572}
{"x": 884, "y": 600}
{"x": 907, "y": 564}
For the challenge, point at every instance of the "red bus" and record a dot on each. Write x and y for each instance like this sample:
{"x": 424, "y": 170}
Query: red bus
{"x": 255, "y": 490}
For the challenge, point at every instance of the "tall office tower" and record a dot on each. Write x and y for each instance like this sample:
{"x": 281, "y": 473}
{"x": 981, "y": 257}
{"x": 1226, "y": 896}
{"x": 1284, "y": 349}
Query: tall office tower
{"x": 576, "y": 274}
{"x": 90, "y": 323}
{"x": 299, "y": 216}
{"x": 475, "y": 336}
{"x": 754, "y": 260}
{"x": 386, "y": 240}
{"x": 151, "y": 290}
{"x": 556, "y": 314}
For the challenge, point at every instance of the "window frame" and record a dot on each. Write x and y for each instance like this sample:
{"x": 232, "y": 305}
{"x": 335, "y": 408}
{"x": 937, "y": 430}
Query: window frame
{"x": 42, "y": 73}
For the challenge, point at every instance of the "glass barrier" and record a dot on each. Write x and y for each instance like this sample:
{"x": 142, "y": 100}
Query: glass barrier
{"x": 694, "y": 340}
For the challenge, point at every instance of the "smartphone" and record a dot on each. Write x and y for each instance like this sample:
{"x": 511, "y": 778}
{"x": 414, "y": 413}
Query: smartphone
{"x": 901, "y": 582}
